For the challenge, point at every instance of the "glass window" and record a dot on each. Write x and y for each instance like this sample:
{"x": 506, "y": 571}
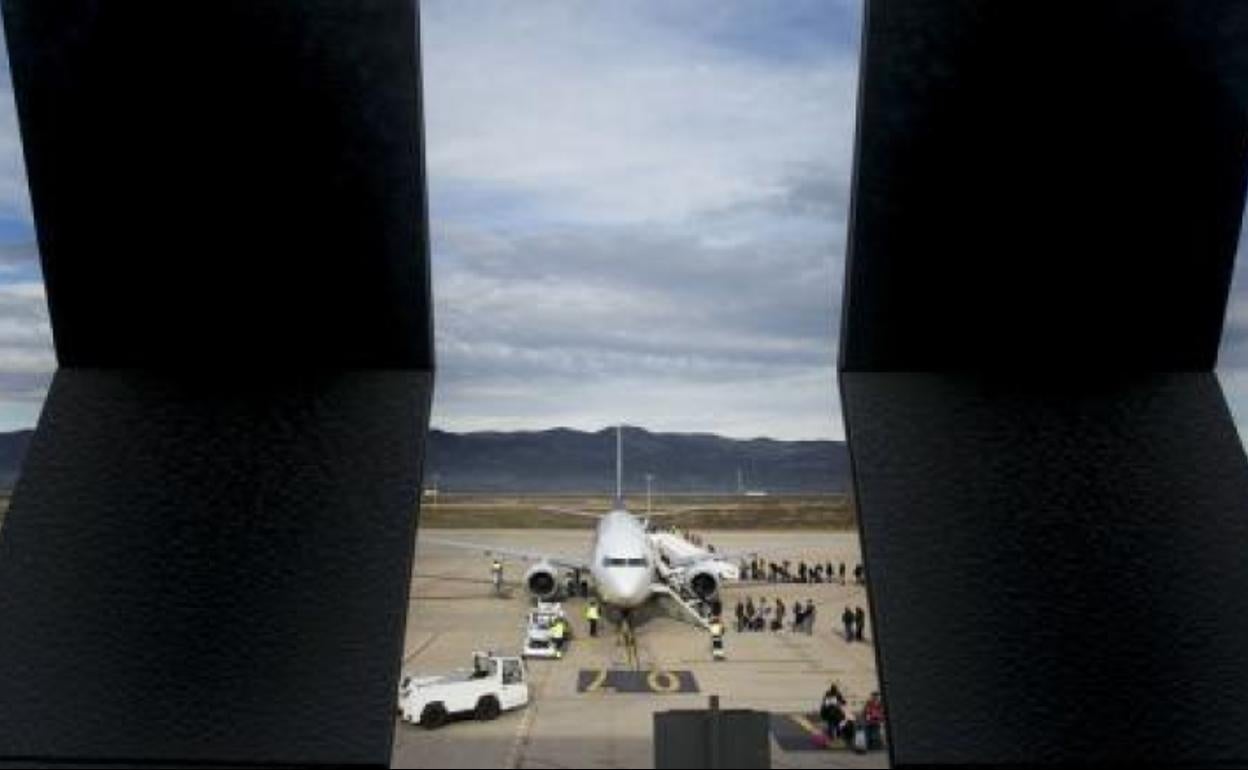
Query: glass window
{"x": 1233, "y": 355}
{"x": 27, "y": 358}
{"x": 511, "y": 672}
{"x": 638, "y": 215}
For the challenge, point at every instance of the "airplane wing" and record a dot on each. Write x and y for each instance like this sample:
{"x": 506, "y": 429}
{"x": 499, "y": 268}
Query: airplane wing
{"x": 678, "y": 511}
{"x": 514, "y": 553}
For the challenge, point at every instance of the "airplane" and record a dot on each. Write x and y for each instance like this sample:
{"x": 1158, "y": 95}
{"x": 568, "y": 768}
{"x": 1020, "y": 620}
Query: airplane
{"x": 629, "y": 564}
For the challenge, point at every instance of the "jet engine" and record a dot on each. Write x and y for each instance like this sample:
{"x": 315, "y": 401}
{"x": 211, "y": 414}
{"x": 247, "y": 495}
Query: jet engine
{"x": 542, "y": 580}
{"x": 703, "y": 581}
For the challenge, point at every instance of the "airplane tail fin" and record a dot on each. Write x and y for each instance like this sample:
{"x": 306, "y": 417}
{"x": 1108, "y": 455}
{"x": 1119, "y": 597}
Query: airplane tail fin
{"x": 619, "y": 466}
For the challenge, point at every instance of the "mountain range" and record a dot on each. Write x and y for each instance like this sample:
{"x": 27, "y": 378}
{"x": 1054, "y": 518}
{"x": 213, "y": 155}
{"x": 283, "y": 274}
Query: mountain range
{"x": 565, "y": 460}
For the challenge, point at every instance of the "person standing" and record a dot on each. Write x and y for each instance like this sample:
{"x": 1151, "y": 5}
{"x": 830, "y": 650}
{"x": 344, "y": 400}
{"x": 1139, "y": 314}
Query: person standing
{"x": 860, "y": 622}
{"x": 778, "y": 623}
{"x": 873, "y": 719}
{"x": 842, "y": 573}
{"x": 847, "y": 620}
{"x": 591, "y": 616}
{"x": 717, "y": 638}
{"x": 740, "y": 612}
{"x": 557, "y": 636}
{"x": 496, "y": 576}
{"x": 810, "y": 616}
{"x": 832, "y": 712}
{"x": 799, "y": 617}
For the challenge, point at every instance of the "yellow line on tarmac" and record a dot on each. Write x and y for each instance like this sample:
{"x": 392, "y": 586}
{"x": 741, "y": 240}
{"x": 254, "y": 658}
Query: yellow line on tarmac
{"x": 630, "y": 644}
{"x": 805, "y": 724}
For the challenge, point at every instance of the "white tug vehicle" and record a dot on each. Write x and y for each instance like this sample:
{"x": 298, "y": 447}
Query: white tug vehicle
{"x": 496, "y": 683}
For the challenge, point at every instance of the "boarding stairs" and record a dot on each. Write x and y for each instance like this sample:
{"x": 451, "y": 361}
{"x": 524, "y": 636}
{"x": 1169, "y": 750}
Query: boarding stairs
{"x": 688, "y": 603}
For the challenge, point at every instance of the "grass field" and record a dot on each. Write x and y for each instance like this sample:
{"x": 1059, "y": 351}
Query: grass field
{"x": 832, "y": 511}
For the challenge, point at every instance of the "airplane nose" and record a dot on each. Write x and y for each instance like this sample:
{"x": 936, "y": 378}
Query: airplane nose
{"x": 634, "y": 590}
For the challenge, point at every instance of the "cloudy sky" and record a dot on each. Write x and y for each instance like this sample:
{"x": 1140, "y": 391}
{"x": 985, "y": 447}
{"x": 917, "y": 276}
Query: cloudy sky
{"x": 638, "y": 214}
{"x": 639, "y": 211}
{"x": 26, "y": 357}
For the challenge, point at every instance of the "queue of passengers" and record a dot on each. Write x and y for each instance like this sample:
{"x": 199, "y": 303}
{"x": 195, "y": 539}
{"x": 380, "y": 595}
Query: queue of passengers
{"x": 772, "y": 616}
{"x": 800, "y": 572}
{"x": 689, "y": 535}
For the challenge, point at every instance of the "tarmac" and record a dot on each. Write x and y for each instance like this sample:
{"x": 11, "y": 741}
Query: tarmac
{"x": 592, "y": 708}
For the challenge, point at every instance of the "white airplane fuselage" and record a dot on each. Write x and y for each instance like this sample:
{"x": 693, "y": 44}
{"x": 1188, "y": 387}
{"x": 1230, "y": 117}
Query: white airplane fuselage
{"x": 622, "y": 561}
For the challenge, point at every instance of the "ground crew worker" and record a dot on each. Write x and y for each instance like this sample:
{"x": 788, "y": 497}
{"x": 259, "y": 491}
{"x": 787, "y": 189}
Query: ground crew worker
{"x": 496, "y": 573}
{"x": 591, "y": 615}
{"x": 847, "y": 620}
{"x": 557, "y": 636}
{"x": 717, "y": 638}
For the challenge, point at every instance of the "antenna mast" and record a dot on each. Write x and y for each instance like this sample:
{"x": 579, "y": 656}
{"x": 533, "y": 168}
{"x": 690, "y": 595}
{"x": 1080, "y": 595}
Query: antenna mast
{"x": 619, "y": 465}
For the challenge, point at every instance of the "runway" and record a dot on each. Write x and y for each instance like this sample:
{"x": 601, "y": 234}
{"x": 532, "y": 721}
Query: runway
{"x": 586, "y": 711}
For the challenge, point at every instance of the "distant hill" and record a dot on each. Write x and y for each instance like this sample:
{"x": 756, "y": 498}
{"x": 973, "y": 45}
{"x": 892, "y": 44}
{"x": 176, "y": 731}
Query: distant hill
{"x": 563, "y": 460}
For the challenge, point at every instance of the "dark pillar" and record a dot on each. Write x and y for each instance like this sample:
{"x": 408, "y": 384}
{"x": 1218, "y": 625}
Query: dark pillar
{"x": 208, "y": 553}
{"x": 1053, "y": 498}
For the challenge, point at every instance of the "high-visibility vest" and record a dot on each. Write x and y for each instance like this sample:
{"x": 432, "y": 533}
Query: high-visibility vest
{"x": 717, "y": 629}
{"x": 556, "y": 630}
{"x": 591, "y": 612}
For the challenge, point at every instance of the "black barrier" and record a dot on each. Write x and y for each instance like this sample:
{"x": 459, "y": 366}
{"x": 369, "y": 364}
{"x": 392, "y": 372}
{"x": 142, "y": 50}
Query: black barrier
{"x": 711, "y": 738}
{"x": 802, "y": 732}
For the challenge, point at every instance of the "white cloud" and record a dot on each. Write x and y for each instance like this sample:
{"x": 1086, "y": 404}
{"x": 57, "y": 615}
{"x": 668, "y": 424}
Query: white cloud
{"x": 633, "y": 221}
{"x": 601, "y": 115}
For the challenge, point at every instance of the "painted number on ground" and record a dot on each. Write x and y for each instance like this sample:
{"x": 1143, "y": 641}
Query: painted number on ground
{"x": 659, "y": 682}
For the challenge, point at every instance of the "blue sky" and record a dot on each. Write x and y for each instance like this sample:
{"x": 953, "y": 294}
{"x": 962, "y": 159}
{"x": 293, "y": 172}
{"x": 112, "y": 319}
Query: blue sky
{"x": 638, "y": 215}
{"x": 26, "y": 357}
